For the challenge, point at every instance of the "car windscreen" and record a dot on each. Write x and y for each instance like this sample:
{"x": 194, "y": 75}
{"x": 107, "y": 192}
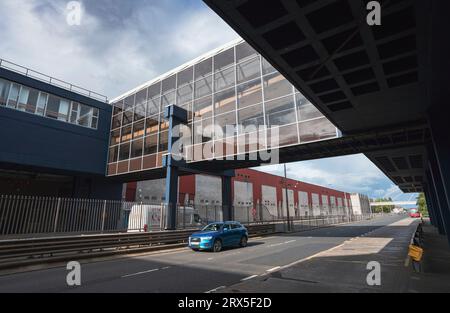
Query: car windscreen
{"x": 213, "y": 227}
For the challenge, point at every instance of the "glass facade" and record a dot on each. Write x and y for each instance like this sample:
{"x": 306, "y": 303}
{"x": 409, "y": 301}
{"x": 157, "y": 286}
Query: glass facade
{"x": 230, "y": 87}
{"x": 25, "y": 99}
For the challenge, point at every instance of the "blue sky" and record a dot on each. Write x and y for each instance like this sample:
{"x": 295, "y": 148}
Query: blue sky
{"x": 121, "y": 43}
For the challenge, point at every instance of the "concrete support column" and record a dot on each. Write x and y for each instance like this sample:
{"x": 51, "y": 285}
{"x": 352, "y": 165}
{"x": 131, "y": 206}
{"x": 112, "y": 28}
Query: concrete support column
{"x": 227, "y": 195}
{"x": 441, "y": 200}
{"x": 430, "y": 206}
{"x": 176, "y": 116}
{"x": 432, "y": 199}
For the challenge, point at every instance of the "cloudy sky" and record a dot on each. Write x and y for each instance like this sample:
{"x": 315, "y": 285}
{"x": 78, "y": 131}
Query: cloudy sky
{"x": 121, "y": 44}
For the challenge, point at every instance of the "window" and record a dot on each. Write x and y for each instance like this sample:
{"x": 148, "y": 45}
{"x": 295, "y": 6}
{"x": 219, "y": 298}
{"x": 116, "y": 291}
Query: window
{"x": 137, "y": 148}
{"x": 86, "y": 114}
{"x": 42, "y": 103}
{"x": 203, "y": 107}
{"x": 113, "y": 154}
{"x": 52, "y": 107}
{"x": 267, "y": 67}
{"x": 152, "y": 125}
{"x": 275, "y": 86}
{"x": 154, "y": 90}
{"x": 140, "y": 105}
{"x": 117, "y": 107}
{"x": 252, "y": 116}
{"x": 128, "y": 103}
{"x": 224, "y": 120}
{"x": 151, "y": 145}
{"x": 224, "y": 79}
{"x": 225, "y": 101}
{"x": 116, "y": 121}
{"x": 63, "y": 112}
{"x": 316, "y": 130}
{"x": 203, "y": 87}
{"x": 4, "y": 91}
{"x": 138, "y": 129}
{"x": 244, "y": 51}
{"x": 32, "y": 101}
{"x": 224, "y": 59}
{"x": 139, "y": 112}
{"x": 169, "y": 84}
{"x": 127, "y": 118}
{"x": 185, "y": 94}
{"x": 153, "y": 106}
{"x": 23, "y": 98}
{"x": 13, "y": 95}
{"x": 168, "y": 99}
{"x": 248, "y": 70}
{"x": 186, "y": 76}
{"x": 305, "y": 109}
{"x": 280, "y": 112}
{"x": 249, "y": 93}
{"x": 203, "y": 68}
{"x": 126, "y": 133}
{"x": 124, "y": 151}
{"x": 115, "y": 137}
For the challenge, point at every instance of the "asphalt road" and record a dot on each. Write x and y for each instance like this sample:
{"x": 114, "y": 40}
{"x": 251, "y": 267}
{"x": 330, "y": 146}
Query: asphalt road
{"x": 183, "y": 270}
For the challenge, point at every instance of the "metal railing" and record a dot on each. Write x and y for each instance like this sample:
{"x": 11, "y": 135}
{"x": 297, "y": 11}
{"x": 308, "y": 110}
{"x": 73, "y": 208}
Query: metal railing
{"x": 27, "y": 216}
{"x": 51, "y": 80}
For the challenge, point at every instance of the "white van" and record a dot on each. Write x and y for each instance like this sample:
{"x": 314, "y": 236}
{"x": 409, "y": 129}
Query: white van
{"x": 148, "y": 217}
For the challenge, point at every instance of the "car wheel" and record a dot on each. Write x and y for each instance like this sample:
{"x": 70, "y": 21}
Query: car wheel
{"x": 195, "y": 250}
{"x": 243, "y": 242}
{"x": 217, "y": 247}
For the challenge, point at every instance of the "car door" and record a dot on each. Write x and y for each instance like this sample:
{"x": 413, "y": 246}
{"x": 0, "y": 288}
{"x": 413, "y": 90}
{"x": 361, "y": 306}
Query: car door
{"x": 237, "y": 233}
{"x": 227, "y": 234}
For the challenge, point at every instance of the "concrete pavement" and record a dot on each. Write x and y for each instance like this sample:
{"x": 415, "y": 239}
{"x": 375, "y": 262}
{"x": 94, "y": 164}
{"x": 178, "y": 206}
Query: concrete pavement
{"x": 344, "y": 267}
{"x": 183, "y": 270}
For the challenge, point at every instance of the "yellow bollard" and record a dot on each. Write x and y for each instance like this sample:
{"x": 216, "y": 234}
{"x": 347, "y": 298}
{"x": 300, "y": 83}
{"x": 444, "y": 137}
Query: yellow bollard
{"x": 415, "y": 253}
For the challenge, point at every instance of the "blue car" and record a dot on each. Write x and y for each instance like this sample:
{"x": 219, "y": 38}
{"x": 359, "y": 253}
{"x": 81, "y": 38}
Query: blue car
{"x": 216, "y": 236}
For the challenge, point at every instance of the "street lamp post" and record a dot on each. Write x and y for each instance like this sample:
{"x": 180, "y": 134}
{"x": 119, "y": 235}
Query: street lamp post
{"x": 287, "y": 199}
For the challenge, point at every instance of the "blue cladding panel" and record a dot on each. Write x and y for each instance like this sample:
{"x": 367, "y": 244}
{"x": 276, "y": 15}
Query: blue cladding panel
{"x": 31, "y": 141}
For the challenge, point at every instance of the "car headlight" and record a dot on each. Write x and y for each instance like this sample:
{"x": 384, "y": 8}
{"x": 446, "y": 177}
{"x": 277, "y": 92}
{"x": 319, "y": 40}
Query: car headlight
{"x": 207, "y": 238}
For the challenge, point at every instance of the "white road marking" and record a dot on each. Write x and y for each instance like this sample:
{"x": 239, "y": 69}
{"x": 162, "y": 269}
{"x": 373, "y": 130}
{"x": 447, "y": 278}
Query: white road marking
{"x": 248, "y": 278}
{"x": 209, "y": 259}
{"x": 276, "y": 244}
{"x": 274, "y": 269}
{"x": 290, "y": 241}
{"x": 215, "y": 289}
{"x": 166, "y": 268}
{"x": 141, "y": 273}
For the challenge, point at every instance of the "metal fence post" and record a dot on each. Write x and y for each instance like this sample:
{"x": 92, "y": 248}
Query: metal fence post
{"x": 57, "y": 215}
{"x": 103, "y": 215}
{"x": 184, "y": 217}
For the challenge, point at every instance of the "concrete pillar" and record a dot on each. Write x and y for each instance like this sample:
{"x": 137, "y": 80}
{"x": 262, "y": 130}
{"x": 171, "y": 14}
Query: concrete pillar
{"x": 227, "y": 198}
{"x": 441, "y": 200}
{"x": 176, "y": 116}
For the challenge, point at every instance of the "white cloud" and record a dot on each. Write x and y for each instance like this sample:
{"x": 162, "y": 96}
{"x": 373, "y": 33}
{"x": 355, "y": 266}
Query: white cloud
{"x": 355, "y": 173}
{"x": 113, "y": 50}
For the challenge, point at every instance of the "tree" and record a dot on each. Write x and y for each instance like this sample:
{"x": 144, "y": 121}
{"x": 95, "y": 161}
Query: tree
{"x": 422, "y": 204}
{"x": 383, "y": 208}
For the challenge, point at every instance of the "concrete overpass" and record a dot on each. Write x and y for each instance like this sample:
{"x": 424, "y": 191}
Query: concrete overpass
{"x": 367, "y": 79}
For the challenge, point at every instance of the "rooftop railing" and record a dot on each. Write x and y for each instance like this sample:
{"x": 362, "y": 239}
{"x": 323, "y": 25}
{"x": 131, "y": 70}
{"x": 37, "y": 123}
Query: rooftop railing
{"x": 51, "y": 80}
